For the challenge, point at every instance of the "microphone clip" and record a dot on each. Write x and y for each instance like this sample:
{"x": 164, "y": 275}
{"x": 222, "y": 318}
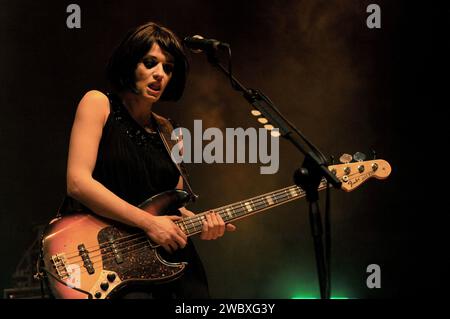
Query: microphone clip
{"x": 198, "y": 44}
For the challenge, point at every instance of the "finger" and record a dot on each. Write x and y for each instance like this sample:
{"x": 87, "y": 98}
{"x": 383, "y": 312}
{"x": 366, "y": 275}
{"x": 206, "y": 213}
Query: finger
{"x": 204, "y": 234}
{"x": 181, "y": 233}
{"x": 167, "y": 248}
{"x": 187, "y": 213}
{"x": 221, "y": 225}
{"x": 214, "y": 225}
{"x": 174, "y": 217}
{"x": 179, "y": 241}
{"x": 177, "y": 228}
{"x": 230, "y": 227}
{"x": 211, "y": 230}
{"x": 173, "y": 246}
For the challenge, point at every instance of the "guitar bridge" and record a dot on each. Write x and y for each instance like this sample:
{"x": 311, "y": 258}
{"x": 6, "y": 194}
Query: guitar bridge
{"x": 59, "y": 262}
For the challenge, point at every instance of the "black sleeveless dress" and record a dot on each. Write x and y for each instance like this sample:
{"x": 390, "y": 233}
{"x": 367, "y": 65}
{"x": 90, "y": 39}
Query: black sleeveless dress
{"x": 134, "y": 165}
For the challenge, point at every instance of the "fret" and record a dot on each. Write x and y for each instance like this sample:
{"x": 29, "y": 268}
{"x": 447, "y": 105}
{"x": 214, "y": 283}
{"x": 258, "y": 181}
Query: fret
{"x": 224, "y": 214}
{"x": 220, "y": 212}
{"x": 183, "y": 226}
{"x": 255, "y": 204}
{"x": 275, "y": 198}
{"x": 260, "y": 203}
{"x": 252, "y": 205}
{"x": 248, "y": 207}
{"x": 269, "y": 200}
{"x": 199, "y": 222}
{"x": 242, "y": 208}
{"x": 229, "y": 213}
{"x": 202, "y": 219}
{"x": 235, "y": 208}
{"x": 293, "y": 192}
{"x": 233, "y": 211}
{"x": 196, "y": 225}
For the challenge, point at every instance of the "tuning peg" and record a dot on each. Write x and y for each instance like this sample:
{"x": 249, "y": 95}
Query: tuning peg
{"x": 345, "y": 158}
{"x": 374, "y": 154}
{"x": 359, "y": 157}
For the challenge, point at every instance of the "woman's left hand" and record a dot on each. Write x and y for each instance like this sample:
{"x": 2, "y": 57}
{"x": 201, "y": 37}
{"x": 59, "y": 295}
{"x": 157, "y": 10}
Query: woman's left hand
{"x": 213, "y": 226}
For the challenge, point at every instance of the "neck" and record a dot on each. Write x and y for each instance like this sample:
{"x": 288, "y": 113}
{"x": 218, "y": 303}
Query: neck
{"x": 138, "y": 108}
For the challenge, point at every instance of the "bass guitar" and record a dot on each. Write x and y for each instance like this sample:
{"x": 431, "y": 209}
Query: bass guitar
{"x": 87, "y": 256}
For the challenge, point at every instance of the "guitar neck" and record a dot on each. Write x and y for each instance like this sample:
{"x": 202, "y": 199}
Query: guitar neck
{"x": 193, "y": 225}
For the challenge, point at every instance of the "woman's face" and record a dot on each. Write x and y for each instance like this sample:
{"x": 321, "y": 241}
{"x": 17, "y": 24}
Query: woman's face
{"x": 153, "y": 73}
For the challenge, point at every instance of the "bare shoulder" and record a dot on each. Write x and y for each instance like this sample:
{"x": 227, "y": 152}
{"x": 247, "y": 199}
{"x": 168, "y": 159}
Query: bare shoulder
{"x": 94, "y": 103}
{"x": 95, "y": 97}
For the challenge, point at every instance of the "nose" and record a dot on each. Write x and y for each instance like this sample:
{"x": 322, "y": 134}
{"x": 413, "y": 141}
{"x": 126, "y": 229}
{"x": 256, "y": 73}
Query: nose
{"x": 158, "y": 72}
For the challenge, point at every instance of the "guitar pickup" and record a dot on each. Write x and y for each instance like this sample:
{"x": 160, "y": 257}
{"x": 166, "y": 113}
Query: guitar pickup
{"x": 87, "y": 263}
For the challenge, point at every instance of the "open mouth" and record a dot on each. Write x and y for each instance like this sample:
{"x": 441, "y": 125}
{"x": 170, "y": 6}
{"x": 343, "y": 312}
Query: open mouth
{"x": 156, "y": 87}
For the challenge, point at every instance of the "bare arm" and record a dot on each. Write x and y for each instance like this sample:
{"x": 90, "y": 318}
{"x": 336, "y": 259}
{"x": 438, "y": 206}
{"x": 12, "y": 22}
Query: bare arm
{"x": 90, "y": 118}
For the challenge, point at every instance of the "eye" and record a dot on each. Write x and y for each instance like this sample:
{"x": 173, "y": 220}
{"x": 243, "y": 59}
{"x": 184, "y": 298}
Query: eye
{"x": 168, "y": 68}
{"x": 150, "y": 63}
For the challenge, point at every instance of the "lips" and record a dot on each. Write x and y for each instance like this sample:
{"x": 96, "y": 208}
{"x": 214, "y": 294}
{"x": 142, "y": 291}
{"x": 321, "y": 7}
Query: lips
{"x": 155, "y": 87}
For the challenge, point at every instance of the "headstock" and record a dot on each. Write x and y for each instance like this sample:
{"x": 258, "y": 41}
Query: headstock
{"x": 353, "y": 174}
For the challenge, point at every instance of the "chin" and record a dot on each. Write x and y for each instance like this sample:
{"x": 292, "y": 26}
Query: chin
{"x": 153, "y": 98}
{"x": 150, "y": 97}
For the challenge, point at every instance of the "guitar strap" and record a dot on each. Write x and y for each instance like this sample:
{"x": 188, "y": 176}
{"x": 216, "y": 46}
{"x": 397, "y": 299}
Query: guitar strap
{"x": 165, "y": 128}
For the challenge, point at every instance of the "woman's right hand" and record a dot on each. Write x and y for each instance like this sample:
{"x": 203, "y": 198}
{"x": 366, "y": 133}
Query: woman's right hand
{"x": 163, "y": 231}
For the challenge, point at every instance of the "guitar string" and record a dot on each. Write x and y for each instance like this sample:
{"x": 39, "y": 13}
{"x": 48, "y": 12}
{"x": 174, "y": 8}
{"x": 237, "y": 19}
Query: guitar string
{"x": 240, "y": 211}
{"x": 110, "y": 256}
{"x": 194, "y": 220}
{"x": 191, "y": 218}
{"x": 188, "y": 221}
{"x": 147, "y": 244}
{"x": 133, "y": 249}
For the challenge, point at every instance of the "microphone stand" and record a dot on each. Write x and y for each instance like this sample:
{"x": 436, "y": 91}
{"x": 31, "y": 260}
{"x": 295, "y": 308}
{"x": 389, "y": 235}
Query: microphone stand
{"x": 307, "y": 177}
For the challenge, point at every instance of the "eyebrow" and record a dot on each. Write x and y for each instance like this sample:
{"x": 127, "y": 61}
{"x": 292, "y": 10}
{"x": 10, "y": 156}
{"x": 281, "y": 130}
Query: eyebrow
{"x": 169, "y": 59}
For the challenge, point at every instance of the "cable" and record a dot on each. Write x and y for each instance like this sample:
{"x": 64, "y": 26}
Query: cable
{"x": 327, "y": 231}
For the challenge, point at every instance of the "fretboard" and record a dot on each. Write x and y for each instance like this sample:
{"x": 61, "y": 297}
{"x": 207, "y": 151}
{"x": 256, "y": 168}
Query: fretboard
{"x": 193, "y": 225}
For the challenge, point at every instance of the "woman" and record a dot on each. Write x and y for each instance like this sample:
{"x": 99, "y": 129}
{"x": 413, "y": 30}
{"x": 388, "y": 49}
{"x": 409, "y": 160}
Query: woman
{"x": 117, "y": 159}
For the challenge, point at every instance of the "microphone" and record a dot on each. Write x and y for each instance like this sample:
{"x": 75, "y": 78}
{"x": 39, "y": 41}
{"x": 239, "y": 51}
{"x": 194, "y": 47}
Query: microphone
{"x": 198, "y": 44}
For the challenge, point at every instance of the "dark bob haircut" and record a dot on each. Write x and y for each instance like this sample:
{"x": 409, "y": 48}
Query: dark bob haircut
{"x": 125, "y": 58}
